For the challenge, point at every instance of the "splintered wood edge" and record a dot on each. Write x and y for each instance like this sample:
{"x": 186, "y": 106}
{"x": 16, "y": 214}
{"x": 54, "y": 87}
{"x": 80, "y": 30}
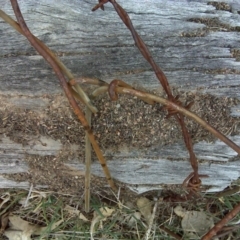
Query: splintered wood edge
{"x": 139, "y": 173}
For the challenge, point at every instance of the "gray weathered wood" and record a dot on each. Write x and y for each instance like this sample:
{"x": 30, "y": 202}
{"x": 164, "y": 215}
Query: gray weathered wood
{"x": 131, "y": 169}
{"x": 99, "y": 45}
{"x": 6, "y": 183}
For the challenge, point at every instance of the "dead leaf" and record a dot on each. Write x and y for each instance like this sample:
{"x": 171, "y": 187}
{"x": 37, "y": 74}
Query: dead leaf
{"x": 19, "y": 224}
{"x": 74, "y": 211}
{"x": 179, "y": 211}
{"x": 16, "y": 235}
{"x": 19, "y": 229}
{"x": 145, "y": 208}
{"x": 133, "y": 219}
{"x": 22, "y": 230}
{"x": 194, "y": 223}
{"x": 104, "y": 213}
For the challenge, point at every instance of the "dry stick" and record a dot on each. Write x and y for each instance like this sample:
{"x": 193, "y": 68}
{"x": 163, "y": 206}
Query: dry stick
{"x": 83, "y": 96}
{"x": 65, "y": 87}
{"x": 221, "y": 223}
{"x": 87, "y": 163}
{"x": 79, "y": 94}
{"x": 161, "y": 77}
{"x": 184, "y": 111}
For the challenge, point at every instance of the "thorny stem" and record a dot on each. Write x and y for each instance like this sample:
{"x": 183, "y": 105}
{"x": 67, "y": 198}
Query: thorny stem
{"x": 161, "y": 77}
{"x": 189, "y": 145}
{"x": 65, "y": 87}
{"x": 184, "y": 111}
{"x": 139, "y": 43}
{"x": 170, "y": 105}
{"x": 221, "y": 223}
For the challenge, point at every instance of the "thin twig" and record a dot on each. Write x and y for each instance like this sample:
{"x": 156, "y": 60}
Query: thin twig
{"x": 28, "y": 196}
{"x": 184, "y": 111}
{"x": 147, "y": 234}
{"x": 218, "y": 226}
{"x": 189, "y": 145}
{"x": 161, "y": 77}
{"x": 175, "y": 107}
{"x": 88, "y": 159}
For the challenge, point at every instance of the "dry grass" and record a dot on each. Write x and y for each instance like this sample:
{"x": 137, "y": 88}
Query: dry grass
{"x": 62, "y": 216}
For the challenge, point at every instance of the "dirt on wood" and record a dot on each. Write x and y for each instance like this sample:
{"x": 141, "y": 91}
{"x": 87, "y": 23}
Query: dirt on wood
{"x": 128, "y": 121}
{"x": 212, "y": 24}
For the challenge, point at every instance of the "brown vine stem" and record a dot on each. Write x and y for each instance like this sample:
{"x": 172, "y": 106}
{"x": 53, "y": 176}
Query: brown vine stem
{"x": 161, "y": 77}
{"x": 221, "y": 223}
{"x": 189, "y": 145}
{"x": 80, "y": 95}
{"x": 139, "y": 43}
{"x": 184, "y": 111}
{"x": 66, "y": 89}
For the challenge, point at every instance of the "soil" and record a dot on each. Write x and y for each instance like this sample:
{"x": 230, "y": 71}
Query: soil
{"x": 126, "y": 122}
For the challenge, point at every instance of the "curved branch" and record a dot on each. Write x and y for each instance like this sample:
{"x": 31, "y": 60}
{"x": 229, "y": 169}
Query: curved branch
{"x": 66, "y": 89}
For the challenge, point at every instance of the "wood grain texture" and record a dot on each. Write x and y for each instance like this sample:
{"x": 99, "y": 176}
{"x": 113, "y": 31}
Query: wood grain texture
{"x": 142, "y": 171}
{"x": 6, "y": 183}
{"x": 97, "y": 44}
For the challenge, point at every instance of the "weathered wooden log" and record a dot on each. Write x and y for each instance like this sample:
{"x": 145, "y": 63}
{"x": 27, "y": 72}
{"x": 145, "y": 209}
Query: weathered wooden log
{"x": 196, "y": 43}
